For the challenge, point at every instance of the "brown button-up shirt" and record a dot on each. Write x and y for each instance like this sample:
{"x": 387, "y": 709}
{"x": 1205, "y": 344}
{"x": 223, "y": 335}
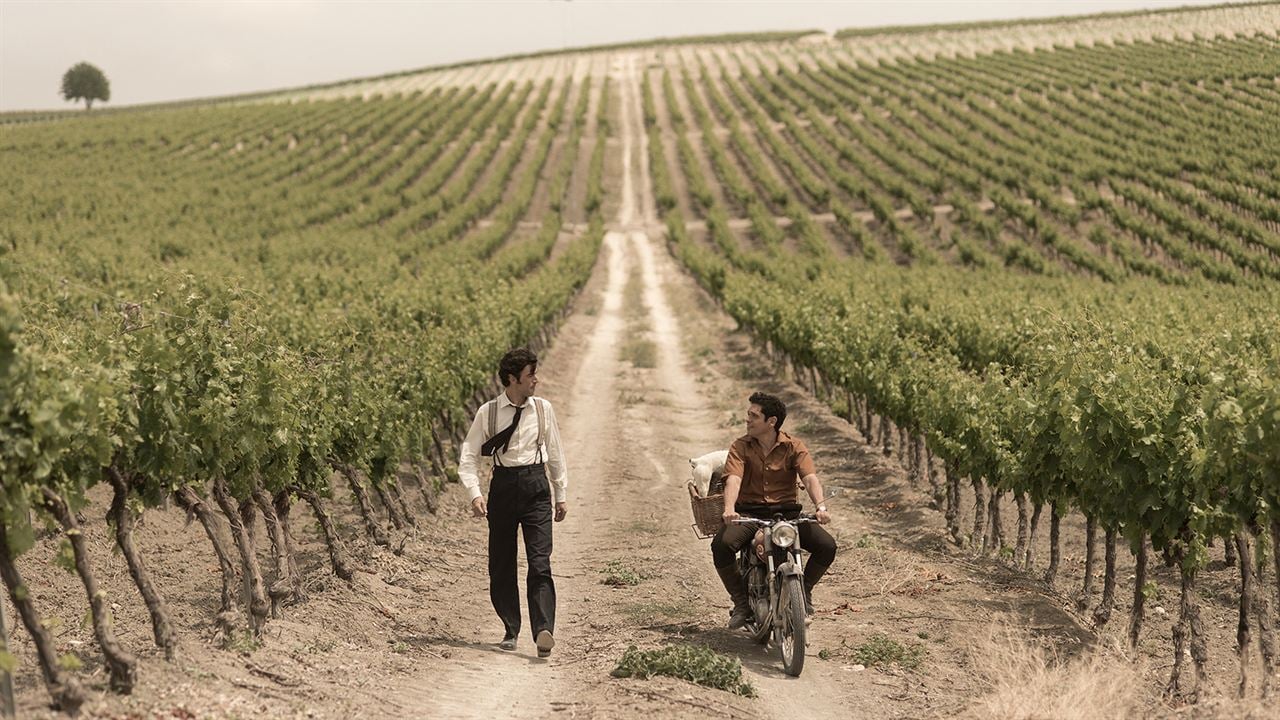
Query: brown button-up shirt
{"x": 769, "y": 479}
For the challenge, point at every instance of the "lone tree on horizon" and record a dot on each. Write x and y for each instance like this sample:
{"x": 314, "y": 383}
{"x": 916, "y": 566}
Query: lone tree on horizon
{"x": 85, "y": 82}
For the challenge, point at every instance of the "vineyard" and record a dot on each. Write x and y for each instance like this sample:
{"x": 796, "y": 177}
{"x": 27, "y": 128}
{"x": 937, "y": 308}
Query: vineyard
{"x": 1037, "y": 264}
{"x": 222, "y": 308}
{"x": 1039, "y": 277}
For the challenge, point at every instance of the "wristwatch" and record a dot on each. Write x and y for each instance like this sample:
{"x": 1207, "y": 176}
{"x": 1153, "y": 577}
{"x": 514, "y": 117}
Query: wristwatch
{"x": 822, "y": 508}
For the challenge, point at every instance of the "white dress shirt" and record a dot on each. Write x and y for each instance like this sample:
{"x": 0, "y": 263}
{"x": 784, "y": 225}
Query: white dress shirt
{"x": 523, "y": 448}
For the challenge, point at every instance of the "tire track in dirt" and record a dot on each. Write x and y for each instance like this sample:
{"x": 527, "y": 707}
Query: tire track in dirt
{"x": 693, "y": 428}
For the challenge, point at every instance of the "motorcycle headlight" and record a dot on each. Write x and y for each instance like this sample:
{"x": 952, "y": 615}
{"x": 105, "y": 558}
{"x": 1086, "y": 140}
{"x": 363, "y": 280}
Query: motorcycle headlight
{"x": 784, "y": 534}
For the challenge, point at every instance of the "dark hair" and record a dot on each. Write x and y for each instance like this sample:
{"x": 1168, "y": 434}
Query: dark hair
{"x": 514, "y": 363}
{"x": 770, "y": 406}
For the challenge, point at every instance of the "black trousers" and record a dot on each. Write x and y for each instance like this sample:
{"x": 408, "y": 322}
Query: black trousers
{"x": 813, "y": 539}
{"x": 520, "y": 497}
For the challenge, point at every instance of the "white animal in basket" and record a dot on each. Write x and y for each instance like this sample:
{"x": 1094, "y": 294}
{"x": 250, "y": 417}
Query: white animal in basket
{"x": 706, "y": 468}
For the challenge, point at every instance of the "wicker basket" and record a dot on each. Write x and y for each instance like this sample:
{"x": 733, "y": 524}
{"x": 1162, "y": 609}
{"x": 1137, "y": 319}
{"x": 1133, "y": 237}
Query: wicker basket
{"x": 708, "y": 512}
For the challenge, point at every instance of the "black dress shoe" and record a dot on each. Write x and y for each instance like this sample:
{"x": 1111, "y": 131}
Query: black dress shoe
{"x": 545, "y": 642}
{"x": 508, "y": 643}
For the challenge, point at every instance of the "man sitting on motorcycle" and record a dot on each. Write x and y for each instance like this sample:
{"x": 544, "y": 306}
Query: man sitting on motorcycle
{"x": 760, "y": 482}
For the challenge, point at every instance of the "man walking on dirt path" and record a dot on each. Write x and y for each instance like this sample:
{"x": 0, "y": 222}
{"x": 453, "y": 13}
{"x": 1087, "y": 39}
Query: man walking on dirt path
{"x": 519, "y": 432}
{"x": 760, "y": 481}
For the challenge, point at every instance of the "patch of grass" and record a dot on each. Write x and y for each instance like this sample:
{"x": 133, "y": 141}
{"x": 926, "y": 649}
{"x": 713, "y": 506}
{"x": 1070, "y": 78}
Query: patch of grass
{"x": 618, "y": 574}
{"x": 243, "y": 642}
{"x": 652, "y": 613}
{"x": 1024, "y": 677}
{"x": 321, "y": 646}
{"x": 633, "y": 298}
{"x": 882, "y": 650}
{"x": 641, "y": 352}
{"x": 1150, "y": 591}
{"x": 866, "y": 542}
{"x": 698, "y": 664}
{"x": 399, "y": 646}
{"x": 65, "y": 558}
{"x": 70, "y": 662}
{"x": 627, "y": 398}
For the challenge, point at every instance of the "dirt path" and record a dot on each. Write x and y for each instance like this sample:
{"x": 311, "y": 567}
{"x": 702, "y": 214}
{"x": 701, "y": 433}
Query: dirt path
{"x": 629, "y": 427}
{"x": 692, "y": 427}
{"x": 482, "y": 681}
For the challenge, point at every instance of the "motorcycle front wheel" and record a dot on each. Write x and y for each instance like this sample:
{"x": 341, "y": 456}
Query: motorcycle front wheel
{"x": 791, "y": 639}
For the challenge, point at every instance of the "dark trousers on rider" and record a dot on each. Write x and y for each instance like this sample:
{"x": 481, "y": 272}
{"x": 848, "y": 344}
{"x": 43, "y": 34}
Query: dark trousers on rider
{"x": 520, "y": 498}
{"x": 813, "y": 539}
{"x": 732, "y": 538}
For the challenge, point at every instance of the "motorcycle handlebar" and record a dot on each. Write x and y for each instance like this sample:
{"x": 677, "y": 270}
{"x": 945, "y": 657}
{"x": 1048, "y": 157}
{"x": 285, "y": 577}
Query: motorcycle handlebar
{"x": 804, "y": 518}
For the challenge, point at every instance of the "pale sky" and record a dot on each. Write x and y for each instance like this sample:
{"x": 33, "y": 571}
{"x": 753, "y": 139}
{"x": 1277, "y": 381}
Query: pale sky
{"x": 172, "y": 49}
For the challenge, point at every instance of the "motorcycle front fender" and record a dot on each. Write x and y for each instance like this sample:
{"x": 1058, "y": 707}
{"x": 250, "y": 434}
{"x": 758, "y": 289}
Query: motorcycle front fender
{"x": 788, "y": 569}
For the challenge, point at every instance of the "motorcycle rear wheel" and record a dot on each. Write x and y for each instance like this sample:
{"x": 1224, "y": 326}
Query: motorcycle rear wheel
{"x": 791, "y": 632}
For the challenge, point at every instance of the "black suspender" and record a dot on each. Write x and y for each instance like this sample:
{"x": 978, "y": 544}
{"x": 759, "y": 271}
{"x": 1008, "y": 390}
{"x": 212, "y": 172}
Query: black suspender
{"x": 542, "y": 425}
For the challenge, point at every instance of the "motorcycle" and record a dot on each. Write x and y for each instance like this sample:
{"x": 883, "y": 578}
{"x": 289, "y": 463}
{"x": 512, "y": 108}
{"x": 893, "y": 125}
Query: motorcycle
{"x": 774, "y": 574}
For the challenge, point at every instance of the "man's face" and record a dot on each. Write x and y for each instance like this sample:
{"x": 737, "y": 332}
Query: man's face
{"x": 527, "y": 382}
{"x": 757, "y": 426}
